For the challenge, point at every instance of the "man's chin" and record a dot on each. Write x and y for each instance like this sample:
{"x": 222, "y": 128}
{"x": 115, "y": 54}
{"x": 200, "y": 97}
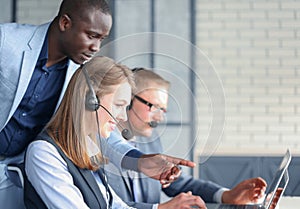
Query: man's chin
{"x": 80, "y": 60}
{"x": 147, "y": 133}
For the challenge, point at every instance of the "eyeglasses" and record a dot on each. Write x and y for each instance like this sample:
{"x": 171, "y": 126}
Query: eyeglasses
{"x": 152, "y": 107}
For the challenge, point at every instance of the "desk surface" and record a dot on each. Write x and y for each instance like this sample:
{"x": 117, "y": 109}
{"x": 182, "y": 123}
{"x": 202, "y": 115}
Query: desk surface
{"x": 285, "y": 203}
{"x": 289, "y": 202}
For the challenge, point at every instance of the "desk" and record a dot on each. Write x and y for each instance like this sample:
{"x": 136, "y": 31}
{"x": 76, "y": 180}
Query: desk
{"x": 228, "y": 171}
{"x": 287, "y": 202}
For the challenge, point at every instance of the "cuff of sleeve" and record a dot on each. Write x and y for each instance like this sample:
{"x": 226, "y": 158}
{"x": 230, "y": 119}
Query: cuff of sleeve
{"x": 155, "y": 206}
{"x": 130, "y": 160}
{"x": 218, "y": 195}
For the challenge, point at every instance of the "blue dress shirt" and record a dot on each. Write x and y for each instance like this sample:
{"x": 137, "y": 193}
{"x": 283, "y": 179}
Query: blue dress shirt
{"x": 36, "y": 107}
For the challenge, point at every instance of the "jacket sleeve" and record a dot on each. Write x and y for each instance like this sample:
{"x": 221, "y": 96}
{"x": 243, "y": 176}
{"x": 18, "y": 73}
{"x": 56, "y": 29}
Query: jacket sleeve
{"x": 116, "y": 148}
{"x": 140, "y": 205}
{"x": 185, "y": 183}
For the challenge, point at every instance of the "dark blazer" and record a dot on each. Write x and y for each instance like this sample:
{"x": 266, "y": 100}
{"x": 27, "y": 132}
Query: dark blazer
{"x": 83, "y": 179}
{"x": 150, "y": 188}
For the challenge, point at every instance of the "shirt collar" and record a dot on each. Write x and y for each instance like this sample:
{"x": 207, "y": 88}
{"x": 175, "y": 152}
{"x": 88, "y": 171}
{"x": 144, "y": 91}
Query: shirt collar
{"x": 44, "y": 52}
{"x": 43, "y": 57}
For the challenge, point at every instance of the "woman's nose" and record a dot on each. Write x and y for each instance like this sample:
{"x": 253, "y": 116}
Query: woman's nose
{"x": 122, "y": 116}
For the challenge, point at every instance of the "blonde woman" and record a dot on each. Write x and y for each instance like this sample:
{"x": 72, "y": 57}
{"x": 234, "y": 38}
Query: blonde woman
{"x": 63, "y": 165}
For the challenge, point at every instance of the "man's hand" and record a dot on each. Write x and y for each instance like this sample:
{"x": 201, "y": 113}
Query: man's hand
{"x": 183, "y": 200}
{"x": 275, "y": 199}
{"x": 248, "y": 191}
{"x": 162, "y": 167}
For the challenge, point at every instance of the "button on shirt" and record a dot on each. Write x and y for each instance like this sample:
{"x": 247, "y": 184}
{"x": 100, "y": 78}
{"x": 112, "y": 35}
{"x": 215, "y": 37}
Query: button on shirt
{"x": 36, "y": 107}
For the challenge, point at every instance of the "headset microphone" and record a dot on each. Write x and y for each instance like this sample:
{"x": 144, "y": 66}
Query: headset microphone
{"x": 126, "y": 134}
{"x": 152, "y": 124}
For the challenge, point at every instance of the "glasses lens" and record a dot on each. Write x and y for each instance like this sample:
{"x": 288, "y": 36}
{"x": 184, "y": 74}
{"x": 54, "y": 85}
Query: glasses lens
{"x": 156, "y": 109}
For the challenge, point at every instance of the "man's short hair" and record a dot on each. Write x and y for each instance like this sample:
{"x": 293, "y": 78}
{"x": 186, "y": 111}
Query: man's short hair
{"x": 146, "y": 79}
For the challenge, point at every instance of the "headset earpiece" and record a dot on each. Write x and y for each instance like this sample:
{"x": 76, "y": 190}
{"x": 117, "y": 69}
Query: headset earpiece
{"x": 134, "y": 70}
{"x": 92, "y": 102}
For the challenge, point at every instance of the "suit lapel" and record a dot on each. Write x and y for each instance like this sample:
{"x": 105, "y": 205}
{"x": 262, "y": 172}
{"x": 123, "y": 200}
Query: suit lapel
{"x": 71, "y": 70}
{"x": 30, "y": 56}
{"x": 93, "y": 185}
{"x": 149, "y": 146}
{"x": 145, "y": 186}
{"x": 86, "y": 176}
{"x": 128, "y": 184}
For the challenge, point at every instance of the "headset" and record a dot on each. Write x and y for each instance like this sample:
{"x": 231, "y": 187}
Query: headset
{"x": 92, "y": 103}
{"x": 134, "y": 70}
{"x": 152, "y": 124}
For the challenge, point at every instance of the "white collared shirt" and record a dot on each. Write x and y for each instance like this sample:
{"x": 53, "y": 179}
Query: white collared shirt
{"x": 48, "y": 173}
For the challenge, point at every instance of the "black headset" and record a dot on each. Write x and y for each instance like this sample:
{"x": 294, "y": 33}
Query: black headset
{"x": 92, "y": 102}
{"x": 152, "y": 124}
{"x": 134, "y": 70}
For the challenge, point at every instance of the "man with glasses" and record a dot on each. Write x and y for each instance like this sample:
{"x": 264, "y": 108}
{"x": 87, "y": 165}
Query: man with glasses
{"x": 147, "y": 109}
{"x": 155, "y": 109}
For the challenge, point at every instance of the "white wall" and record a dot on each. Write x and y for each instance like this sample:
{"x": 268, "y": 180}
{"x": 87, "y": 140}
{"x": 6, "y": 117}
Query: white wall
{"x": 5, "y": 11}
{"x": 254, "y": 46}
{"x": 29, "y": 11}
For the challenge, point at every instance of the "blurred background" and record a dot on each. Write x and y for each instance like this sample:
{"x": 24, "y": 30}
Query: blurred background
{"x": 234, "y": 103}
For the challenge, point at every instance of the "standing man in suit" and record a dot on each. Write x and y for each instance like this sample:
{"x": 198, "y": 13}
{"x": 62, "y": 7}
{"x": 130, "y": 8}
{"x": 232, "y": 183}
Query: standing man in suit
{"x": 36, "y": 65}
{"x": 147, "y": 109}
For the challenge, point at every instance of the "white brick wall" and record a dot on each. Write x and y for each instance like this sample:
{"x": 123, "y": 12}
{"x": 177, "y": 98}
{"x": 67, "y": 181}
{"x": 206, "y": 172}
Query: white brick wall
{"x": 5, "y": 11}
{"x": 37, "y": 11}
{"x": 254, "y": 46}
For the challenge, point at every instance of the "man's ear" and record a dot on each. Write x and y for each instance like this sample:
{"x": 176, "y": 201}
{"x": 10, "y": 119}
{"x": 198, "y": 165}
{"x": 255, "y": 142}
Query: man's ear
{"x": 65, "y": 22}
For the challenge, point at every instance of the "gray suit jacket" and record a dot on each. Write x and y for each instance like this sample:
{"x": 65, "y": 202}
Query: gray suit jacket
{"x": 150, "y": 189}
{"x": 20, "y": 47}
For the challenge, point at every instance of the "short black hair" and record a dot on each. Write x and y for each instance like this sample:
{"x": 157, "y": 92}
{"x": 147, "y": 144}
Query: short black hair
{"x": 76, "y": 6}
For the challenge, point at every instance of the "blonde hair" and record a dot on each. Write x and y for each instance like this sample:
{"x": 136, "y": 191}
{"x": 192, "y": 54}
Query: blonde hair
{"x": 146, "y": 79}
{"x": 67, "y": 127}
